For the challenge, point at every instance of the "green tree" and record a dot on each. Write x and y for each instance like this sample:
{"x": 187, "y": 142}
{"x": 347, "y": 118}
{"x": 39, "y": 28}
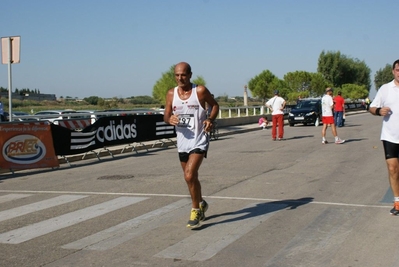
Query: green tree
{"x": 317, "y": 85}
{"x": 199, "y": 80}
{"x": 304, "y": 84}
{"x": 297, "y": 81}
{"x": 92, "y": 100}
{"x": 166, "y": 82}
{"x": 140, "y": 100}
{"x": 328, "y": 66}
{"x": 281, "y": 86}
{"x": 339, "y": 69}
{"x": 357, "y": 72}
{"x": 262, "y": 85}
{"x": 101, "y": 102}
{"x": 383, "y": 76}
{"x": 353, "y": 91}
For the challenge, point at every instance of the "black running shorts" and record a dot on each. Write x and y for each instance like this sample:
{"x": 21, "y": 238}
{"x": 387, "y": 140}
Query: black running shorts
{"x": 391, "y": 150}
{"x": 183, "y": 156}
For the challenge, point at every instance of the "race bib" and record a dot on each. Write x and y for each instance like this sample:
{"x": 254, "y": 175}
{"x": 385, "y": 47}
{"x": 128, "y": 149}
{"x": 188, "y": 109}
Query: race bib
{"x": 186, "y": 121}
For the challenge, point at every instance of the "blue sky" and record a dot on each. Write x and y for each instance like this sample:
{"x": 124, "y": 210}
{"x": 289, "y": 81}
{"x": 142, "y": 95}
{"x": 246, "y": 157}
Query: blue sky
{"x": 120, "y": 48}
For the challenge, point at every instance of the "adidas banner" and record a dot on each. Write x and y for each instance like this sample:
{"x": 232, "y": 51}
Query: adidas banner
{"x": 110, "y": 131}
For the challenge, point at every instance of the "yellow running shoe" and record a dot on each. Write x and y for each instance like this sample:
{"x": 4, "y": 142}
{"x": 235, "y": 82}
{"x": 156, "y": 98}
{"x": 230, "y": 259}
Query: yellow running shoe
{"x": 195, "y": 218}
{"x": 203, "y": 208}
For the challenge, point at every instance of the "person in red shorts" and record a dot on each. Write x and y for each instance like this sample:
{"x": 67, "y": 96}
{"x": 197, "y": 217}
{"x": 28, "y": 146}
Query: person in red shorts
{"x": 327, "y": 105}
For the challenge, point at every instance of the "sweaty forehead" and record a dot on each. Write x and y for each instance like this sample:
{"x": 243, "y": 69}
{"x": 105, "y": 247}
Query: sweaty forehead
{"x": 181, "y": 70}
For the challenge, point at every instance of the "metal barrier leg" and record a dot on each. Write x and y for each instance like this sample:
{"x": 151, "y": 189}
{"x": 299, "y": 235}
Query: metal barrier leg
{"x": 163, "y": 141}
{"x": 92, "y": 151}
{"x": 133, "y": 146}
{"x": 106, "y": 149}
{"x": 66, "y": 159}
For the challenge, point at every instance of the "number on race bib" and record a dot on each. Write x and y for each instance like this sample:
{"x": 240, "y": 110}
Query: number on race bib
{"x": 186, "y": 120}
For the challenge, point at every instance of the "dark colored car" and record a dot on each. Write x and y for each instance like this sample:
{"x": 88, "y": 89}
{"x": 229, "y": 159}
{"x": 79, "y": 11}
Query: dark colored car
{"x": 307, "y": 111}
{"x": 20, "y": 116}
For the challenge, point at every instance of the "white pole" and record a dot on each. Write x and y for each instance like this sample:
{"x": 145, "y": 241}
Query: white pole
{"x": 245, "y": 96}
{"x": 9, "y": 79}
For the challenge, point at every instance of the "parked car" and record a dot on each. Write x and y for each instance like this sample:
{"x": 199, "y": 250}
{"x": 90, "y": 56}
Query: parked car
{"x": 55, "y": 115}
{"x": 307, "y": 111}
{"x": 117, "y": 112}
{"x": 19, "y": 114}
{"x": 92, "y": 114}
{"x": 135, "y": 111}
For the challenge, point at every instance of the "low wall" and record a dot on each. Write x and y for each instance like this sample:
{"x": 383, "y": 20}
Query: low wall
{"x": 224, "y": 122}
{"x": 237, "y": 121}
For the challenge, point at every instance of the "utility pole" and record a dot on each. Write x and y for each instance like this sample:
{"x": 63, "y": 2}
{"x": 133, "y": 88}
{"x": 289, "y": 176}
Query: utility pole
{"x": 10, "y": 55}
{"x": 245, "y": 96}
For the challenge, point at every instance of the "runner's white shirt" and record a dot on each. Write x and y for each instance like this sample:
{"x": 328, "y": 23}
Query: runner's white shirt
{"x": 190, "y": 130}
{"x": 388, "y": 96}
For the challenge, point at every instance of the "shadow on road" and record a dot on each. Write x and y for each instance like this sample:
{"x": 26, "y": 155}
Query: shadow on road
{"x": 257, "y": 210}
{"x": 299, "y": 137}
{"x": 354, "y": 140}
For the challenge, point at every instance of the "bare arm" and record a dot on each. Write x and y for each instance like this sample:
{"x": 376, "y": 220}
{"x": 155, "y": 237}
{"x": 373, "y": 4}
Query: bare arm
{"x": 168, "y": 116}
{"x": 205, "y": 96}
{"x": 380, "y": 111}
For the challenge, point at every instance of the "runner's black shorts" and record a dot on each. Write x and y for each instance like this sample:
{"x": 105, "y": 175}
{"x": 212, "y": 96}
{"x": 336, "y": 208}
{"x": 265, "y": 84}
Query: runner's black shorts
{"x": 183, "y": 156}
{"x": 391, "y": 150}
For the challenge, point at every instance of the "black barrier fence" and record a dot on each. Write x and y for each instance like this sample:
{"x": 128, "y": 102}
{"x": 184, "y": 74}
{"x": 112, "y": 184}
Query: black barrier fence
{"x": 110, "y": 131}
{"x": 354, "y": 106}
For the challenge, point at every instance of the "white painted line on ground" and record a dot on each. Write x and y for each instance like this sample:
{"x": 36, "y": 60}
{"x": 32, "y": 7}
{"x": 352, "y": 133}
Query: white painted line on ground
{"x": 41, "y": 228}
{"x": 206, "y": 243}
{"x": 11, "y": 197}
{"x": 41, "y": 205}
{"x": 118, "y": 234}
{"x": 184, "y": 196}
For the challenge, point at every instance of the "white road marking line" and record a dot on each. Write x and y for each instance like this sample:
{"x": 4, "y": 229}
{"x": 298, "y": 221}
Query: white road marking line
{"x": 11, "y": 197}
{"x": 118, "y": 234}
{"x": 41, "y": 228}
{"x": 184, "y": 196}
{"x": 206, "y": 243}
{"x": 41, "y": 205}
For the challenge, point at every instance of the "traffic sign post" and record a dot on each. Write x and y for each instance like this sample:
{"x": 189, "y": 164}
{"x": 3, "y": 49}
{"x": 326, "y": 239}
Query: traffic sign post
{"x": 10, "y": 47}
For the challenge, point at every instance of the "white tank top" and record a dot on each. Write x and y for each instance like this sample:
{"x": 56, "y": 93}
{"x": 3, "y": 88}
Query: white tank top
{"x": 190, "y": 130}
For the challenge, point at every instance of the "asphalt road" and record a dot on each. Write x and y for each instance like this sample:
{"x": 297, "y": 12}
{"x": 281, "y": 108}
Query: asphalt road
{"x": 272, "y": 203}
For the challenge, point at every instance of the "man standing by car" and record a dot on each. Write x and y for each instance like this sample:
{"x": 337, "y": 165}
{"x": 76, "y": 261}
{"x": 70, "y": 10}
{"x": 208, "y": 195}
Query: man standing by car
{"x": 386, "y": 104}
{"x": 327, "y": 106}
{"x": 277, "y": 105}
{"x": 339, "y": 109}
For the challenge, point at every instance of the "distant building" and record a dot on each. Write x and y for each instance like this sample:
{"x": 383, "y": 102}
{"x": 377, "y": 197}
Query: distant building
{"x": 35, "y": 97}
